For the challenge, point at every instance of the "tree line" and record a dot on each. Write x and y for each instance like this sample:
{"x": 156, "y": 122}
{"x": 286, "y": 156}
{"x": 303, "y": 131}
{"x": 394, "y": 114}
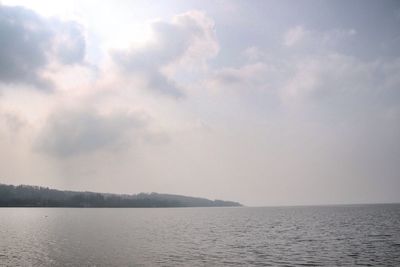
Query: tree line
{"x": 37, "y": 196}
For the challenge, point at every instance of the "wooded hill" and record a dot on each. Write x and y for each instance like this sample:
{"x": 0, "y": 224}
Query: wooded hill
{"x": 35, "y": 196}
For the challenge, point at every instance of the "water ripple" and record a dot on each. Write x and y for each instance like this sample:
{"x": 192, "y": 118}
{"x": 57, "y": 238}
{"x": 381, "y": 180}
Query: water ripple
{"x": 294, "y": 236}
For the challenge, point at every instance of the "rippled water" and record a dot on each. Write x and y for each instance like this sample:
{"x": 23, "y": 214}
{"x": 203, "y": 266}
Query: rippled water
{"x": 335, "y": 235}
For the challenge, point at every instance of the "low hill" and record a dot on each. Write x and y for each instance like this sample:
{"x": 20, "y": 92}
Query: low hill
{"x": 35, "y": 196}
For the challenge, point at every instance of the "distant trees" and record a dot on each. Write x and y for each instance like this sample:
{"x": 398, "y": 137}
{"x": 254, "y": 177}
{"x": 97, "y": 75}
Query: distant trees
{"x": 35, "y": 196}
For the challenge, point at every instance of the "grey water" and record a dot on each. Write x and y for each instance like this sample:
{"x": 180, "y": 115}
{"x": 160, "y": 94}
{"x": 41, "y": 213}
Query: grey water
{"x": 280, "y": 236}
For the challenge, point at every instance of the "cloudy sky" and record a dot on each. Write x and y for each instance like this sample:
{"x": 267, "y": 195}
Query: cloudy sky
{"x": 262, "y": 102}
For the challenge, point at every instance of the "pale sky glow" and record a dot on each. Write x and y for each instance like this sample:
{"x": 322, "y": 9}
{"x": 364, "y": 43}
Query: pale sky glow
{"x": 261, "y": 102}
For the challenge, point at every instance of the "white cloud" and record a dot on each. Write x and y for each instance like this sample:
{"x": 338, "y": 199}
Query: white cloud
{"x": 342, "y": 80}
{"x": 254, "y": 76}
{"x": 294, "y": 36}
{"x": 327, "y": 79}
{"x": 313, "y": 41}
{"x": 185, "y": 42}
{"x": 254, "y": 53}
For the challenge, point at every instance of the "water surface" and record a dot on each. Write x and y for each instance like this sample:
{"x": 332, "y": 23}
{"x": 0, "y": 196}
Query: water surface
{"x": 286, "y": 236}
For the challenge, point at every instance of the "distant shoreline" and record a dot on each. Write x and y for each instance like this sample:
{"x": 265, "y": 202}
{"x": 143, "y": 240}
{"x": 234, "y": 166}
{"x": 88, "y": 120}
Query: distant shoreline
{"x": 27, "y": 196}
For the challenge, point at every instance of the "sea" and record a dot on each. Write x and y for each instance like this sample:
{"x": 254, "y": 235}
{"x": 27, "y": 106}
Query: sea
{"x": 348, "y": 235}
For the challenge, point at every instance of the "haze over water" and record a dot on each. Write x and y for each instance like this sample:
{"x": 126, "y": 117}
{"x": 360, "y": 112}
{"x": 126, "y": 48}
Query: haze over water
{"x": 276, "y": 236}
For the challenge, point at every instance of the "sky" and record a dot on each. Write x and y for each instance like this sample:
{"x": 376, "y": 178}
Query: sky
{"x": 261, "y": 102}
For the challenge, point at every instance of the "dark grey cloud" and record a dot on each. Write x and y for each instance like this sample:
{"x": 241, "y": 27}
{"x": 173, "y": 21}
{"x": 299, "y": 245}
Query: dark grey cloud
{"x": 69, "y": 133}
{"x": 28, "y": 42}
{"x": 172, "y": 41}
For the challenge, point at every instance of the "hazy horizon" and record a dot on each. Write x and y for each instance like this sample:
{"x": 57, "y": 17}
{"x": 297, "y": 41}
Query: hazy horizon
{"x": 198, "y": 196}
{"x": 265, "y": 103}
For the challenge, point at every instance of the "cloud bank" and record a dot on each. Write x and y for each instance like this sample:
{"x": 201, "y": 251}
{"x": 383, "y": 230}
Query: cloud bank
{"x": 189, "y": 37}
{"x": 231, "y": 103}
{"x": 29, "y": 43}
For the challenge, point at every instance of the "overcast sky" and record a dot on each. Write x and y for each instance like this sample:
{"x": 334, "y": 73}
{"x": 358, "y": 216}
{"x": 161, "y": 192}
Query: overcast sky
{"x": 261, "y": 102}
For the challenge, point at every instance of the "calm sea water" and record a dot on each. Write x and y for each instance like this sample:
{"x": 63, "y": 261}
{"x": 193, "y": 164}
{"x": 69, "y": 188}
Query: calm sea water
{"x": 334, "y": 235}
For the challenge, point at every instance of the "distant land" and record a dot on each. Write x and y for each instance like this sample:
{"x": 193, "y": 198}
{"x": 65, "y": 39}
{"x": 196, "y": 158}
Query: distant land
{"x": 36, "y": 196}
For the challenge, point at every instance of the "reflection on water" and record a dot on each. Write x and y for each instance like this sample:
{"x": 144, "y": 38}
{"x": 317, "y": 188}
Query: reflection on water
{"x": 335, "y": 235}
